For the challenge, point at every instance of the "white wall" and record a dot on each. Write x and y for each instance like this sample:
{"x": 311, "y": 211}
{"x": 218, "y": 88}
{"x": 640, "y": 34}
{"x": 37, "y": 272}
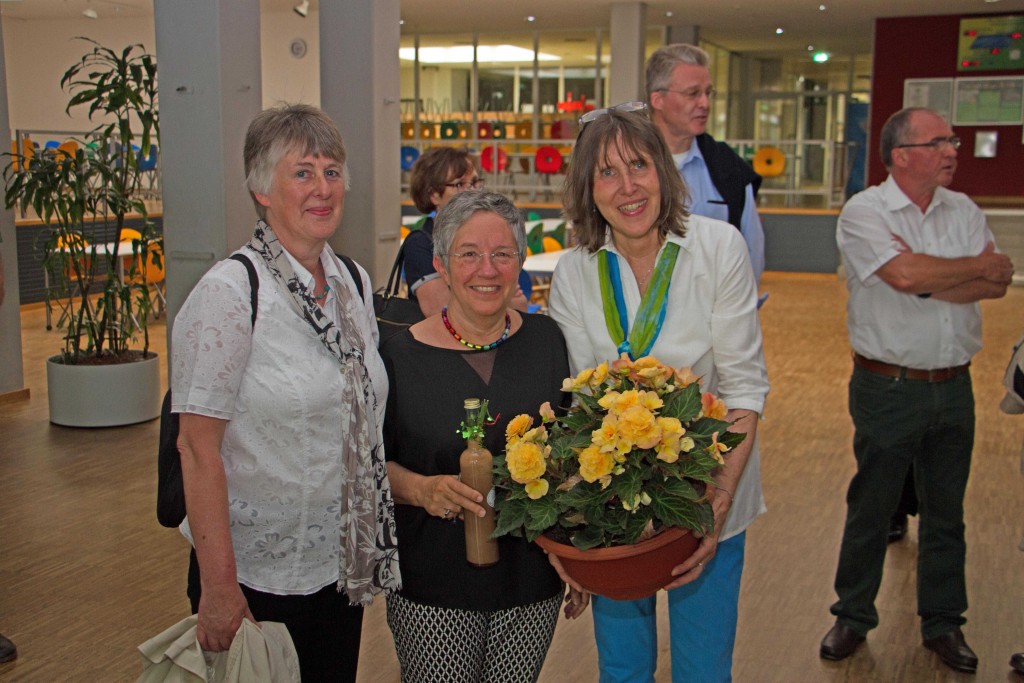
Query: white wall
{"x": 38, "y": 53}
{"x": 285, "y": 78}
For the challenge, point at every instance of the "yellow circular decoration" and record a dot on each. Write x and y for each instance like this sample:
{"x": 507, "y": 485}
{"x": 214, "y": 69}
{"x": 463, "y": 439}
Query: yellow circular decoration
{"x": 769, "y": 162}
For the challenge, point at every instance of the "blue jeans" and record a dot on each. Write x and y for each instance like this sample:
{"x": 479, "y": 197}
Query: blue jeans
{"x": 702, "y": 625}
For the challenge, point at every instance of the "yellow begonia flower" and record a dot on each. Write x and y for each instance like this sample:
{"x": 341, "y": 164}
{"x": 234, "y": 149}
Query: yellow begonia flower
{"x": 672, "y": 432}
{"x": 716, "y": 449}
{"x": 525, "y": 461}
{"x": 538, "y": 434}
{"x": 594, "y": 464}
{"x": 608, "y": 439}
{"x": 599, "y": 377}
{"x": 546, "y": 412}
{"x": 638, "y": 425}
{"x": 686, "y": 444}
{"x": 651, "y": 400}
{"x": 712, "y": 406}
{"x": 538, "y": 488}
{"x": 684, "y": 377}
{"x": 582, "y": 380}
{"x": 651, "y": 372}
{"x": 517, "y": 426}
{"x": 622, "y": 365}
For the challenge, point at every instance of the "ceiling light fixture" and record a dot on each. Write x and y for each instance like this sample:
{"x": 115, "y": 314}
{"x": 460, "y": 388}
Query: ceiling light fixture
{"x": 531, "y": 18}
{"x": 779, "y": 31}
{"x": 90, "y": 13}
{"x": 821, "y": 57}
{"x": 302, "y": 9}
{"x": 463, "y": 54}
{"x": 822, "y": 8}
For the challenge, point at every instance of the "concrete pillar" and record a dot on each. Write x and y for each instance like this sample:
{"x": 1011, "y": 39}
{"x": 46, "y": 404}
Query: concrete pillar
{"x": 359, "y": 89}
{"x": 12, "y": 379}
{"x": 682, "y": 33}
{"x": 208, "y": 57}
{"x": 628, "y": 41}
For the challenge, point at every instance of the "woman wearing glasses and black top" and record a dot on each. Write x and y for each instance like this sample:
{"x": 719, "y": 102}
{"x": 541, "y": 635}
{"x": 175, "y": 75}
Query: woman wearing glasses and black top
{"x": 438, "y": 176}
{"x": 453, "y": 622}
{"x": 678, "y": 287}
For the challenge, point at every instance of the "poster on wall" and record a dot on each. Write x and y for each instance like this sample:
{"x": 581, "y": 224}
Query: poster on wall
{"x": 932, "y": 93}
{"x": 991, "y": 44}
{"x": 989, "y": 101}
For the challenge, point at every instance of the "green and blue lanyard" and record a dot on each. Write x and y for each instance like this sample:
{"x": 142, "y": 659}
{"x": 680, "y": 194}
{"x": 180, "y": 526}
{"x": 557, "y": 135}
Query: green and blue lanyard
{"x": 653, "y": 306}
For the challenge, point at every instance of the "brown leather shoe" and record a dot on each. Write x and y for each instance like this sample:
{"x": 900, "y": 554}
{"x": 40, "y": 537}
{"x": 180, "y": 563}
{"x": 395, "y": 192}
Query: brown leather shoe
{"x": 1017, "y": 663}
{"x": 840, "y": 642}
{"x": 954, "y": 651}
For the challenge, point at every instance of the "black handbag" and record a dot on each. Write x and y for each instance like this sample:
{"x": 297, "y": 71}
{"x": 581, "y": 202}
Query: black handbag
{"x": 394, "y": 313}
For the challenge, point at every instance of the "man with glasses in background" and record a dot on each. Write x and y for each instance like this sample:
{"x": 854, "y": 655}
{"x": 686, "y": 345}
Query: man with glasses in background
{"x": 721, "y": 184}
{"x": 918, "y": 258}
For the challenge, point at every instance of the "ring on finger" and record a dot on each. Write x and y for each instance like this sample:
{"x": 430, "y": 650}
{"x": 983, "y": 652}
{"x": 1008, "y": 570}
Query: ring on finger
{"x": 447, "y": 513}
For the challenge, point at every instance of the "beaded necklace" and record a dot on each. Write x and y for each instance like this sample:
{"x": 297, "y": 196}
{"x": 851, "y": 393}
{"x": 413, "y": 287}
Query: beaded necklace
{"x": 476, "y": 347}
{"x": 323, "y": 294}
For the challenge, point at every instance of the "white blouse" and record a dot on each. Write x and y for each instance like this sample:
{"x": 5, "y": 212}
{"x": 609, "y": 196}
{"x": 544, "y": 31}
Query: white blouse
{"x": 711, "y": 325}
{"x": 278, "y": 388}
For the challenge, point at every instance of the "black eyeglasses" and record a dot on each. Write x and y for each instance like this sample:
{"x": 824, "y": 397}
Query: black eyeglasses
{"x": 473, "y": 184}
{"x": 624, "y": 108}
{"x": 935, "y": 143}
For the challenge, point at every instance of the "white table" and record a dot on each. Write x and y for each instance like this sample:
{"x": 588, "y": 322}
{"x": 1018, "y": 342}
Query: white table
{"x": 124, "y": 248}
{"x": 542, "y": 264}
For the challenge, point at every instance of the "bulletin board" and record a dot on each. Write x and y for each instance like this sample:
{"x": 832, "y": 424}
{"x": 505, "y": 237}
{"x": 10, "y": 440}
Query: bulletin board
{"x": 989, "y": 101}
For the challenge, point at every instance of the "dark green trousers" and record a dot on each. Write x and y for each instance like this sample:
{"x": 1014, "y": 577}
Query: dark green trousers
{"x": 899, "y": 425}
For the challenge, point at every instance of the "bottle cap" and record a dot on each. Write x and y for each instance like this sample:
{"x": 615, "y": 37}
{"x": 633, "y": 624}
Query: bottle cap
{"x": 471, "y": 403}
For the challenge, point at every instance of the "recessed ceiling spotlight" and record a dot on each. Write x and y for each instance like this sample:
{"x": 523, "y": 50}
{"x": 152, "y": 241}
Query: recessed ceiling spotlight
{"x": 531, "y": 18}
{"x": 668, "y": 13}
{"x": 90, "y": 13}
{"x": 810, "y": 48}
{"x": 779, "y": 31}
{"x": 991, "y": 0}
{"x": 822, "y": 8}
{"x": 302, "y": 9}
{"x": 401, "y": 22}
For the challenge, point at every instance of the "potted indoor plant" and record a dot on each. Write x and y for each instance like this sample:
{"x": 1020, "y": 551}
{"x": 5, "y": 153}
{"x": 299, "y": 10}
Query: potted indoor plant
{"x": 625, "y": 471}
{"x": 88, "y": 191}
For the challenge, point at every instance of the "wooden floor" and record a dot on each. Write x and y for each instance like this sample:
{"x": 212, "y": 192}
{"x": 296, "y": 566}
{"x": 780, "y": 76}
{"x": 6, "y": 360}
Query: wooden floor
{"x": 86, "y": 574}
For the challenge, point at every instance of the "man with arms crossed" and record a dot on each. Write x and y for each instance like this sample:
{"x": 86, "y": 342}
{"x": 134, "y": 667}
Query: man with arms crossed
{"x": 919, "y": 258}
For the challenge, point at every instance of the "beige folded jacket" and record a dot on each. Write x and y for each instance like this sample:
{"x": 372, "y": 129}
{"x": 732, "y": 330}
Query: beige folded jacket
{"x": 258, "y": 653}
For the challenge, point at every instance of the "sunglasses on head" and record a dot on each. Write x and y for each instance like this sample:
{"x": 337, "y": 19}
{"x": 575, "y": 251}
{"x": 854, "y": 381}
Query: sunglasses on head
{"x": 624, "y": 108}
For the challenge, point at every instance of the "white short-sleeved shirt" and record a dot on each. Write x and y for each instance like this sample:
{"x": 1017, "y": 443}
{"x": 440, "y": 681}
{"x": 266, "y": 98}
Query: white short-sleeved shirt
{"x": 711, "y": 325}
{"x": 279, "y": 390}
{"x": 892, "y": 326}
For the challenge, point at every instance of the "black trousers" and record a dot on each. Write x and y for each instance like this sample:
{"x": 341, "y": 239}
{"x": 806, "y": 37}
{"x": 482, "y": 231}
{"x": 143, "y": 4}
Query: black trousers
{"x": 325, "y": 628}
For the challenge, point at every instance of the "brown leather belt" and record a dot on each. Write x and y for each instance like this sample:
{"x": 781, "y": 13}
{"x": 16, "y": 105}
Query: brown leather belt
{"x": 889, "y": 370}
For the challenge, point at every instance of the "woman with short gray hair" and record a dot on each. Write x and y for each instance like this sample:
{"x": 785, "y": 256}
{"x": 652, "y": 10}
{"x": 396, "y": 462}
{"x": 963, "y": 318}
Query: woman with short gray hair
{"x": 281, "y": 393}
{"x": 453, "y": 622}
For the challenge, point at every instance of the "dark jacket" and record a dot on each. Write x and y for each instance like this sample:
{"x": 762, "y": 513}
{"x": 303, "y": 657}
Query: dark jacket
{"x": 730, "y": 175}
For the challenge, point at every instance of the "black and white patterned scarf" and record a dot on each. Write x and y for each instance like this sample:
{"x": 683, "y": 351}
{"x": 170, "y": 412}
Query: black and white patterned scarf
{"x": 368, "y": 563}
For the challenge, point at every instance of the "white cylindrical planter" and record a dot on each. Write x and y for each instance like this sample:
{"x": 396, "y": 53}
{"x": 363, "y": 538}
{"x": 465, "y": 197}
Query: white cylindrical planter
{"x": 104, "y": 395}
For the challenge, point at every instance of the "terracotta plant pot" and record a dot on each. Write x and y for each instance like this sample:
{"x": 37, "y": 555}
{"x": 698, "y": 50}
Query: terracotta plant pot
{"x": 626, "y": 572}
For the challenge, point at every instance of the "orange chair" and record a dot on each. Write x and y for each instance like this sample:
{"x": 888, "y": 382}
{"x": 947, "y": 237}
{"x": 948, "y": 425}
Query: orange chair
{"x": 148, "y": 270}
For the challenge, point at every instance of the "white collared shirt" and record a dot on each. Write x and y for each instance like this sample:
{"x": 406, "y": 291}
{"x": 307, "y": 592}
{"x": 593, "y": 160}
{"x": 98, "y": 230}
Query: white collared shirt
{"x": 711, "y": 325}
{"x": 279, "y": 390}
{"x": 891, "y": 326}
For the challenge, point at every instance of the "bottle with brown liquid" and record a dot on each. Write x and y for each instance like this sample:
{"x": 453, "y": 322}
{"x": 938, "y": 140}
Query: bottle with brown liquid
{"x": 475, "y": 466}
